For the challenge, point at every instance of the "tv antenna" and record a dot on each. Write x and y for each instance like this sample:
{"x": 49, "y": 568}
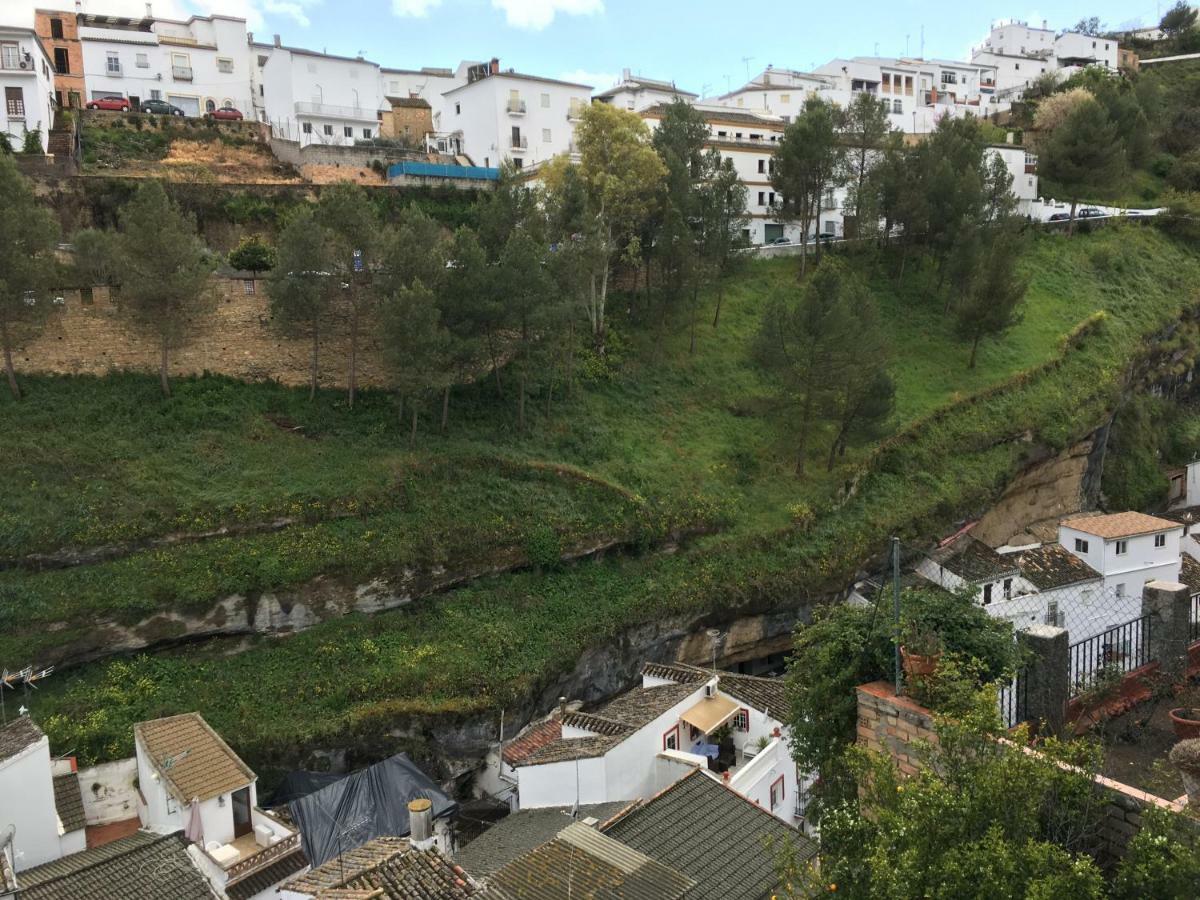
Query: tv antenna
{"x": 27, "y": 678}
{"x": 747, "y": 60}
{"x": 170, "y": 762}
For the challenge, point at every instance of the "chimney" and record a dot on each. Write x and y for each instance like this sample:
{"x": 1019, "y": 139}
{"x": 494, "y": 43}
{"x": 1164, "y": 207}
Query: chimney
{"x": 562, "y": 706}
{"x": 79, "y": 7}
{"x": 249, "y": 37}
{"x": 626, "y": 75}
{"x": 277, "y": 44}
{"x": 494, "y": 68}
{"x": 149, "y": 12}
{"x": 420, "y": 823}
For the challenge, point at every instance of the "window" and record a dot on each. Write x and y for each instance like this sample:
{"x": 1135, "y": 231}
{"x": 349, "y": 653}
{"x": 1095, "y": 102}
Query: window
{"x": 1081, "y": 546}
{"x": 771, "y": 199}
{"x": 1160, "y": 540}
{"x": 367, "y": 132}
{"x": 887, "y": 83}
{"x": 224, "y": 65}
{"x": 546, "y": 136}
{"x": 671, "y": 739}
{"x": 777, "y": 793}
{"x": 762, "y": 198}
{"x": 1122, "y": 548}
{"x": 62, "y": 63}
{"x": 762, "y": 166}
{"x": 247, "y": 285}
{"x": 949, "y": 78}
{"x": 113, "y": 63}
{"x": 785, "y": 98}
{"x": 720, "y": 134}
{"x": 987, "y": 595}
{"x": 741, "y": 720}
{"x": 262, "y": 60}
{"x": 142, "y": 61}
{"x": 210, "y": 105}
{"x": 897, "y": 106}
{"x": 155, "y": 94}
{"x": 328, "y": 129}
{"x": 457, "y": 108}
{"x": 545, "y": 101}
{"x": 306, "y": 127}
{"x": 1007, "y": 588}
{"x": 14, "y": 102}
{"x": 348, "y": 131}
{"x": 172, "y": 807}
{"x": 1016, "y": 66}
{"x": 1054, "y": 616}
{"x": 1120, "y": 590}
{"x": 56, "y": 30}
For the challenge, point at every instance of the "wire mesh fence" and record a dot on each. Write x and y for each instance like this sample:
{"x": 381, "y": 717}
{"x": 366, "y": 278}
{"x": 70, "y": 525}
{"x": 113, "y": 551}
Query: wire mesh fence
{"x": 1114, "y": 651}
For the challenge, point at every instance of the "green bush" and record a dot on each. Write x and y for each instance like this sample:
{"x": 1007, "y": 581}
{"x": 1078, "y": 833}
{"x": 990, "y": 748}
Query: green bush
{"x": 252, "y": 254}
{"x": 32, "y": 142}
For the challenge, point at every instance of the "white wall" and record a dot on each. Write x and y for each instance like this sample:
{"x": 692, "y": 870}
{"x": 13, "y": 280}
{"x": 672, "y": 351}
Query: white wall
{"x": 27, "y": 801}
{"x": 427, "y": 85}
{"x": 753, "y": 781}
{"x": 35, "y": 83}
{"x": 1102, "y": 50}
{"x": 108, "y": 791}
{"x": 480, "y": 110}
{"x": 322, "y": 92}
{"x": 561, "y": 783}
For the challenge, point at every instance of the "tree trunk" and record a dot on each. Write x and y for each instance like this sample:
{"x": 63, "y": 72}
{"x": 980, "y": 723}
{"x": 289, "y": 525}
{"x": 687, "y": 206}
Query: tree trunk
{"x": 903, "y": 263}
{"x": 802, "y": 448}
{"x": 974, "y": 350}
{"x": 571, "y": 358}
{"x": 163, "y": 381}
{"x": 521, "y": 404}
{"x": 495, "y": 365}
{"x": 1071, "y": 221}
{"x": 695, "y": 300}
{"x": 8, "y": 364}
{"x": 412, "y": 438}
{"x": 314, "y": 370}
{"x": 549, "y": 392}
{"x": 445, "y": 408}
{"x": 833, "y": 448}
{"x": 352, "y": 377}
{"x": 720, "y": 297}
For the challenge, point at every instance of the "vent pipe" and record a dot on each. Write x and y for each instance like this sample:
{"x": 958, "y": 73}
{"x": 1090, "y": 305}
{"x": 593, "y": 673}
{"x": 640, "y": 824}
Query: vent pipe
{"x": 420, "y": 823}
{"x": 277, "y": 43}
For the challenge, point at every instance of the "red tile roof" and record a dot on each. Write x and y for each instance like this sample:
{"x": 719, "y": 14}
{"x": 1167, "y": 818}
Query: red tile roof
{"x": 537, "y": 737}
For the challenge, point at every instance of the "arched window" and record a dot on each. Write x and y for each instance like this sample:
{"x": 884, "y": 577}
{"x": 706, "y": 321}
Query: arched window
{"x": 210, "y": 105}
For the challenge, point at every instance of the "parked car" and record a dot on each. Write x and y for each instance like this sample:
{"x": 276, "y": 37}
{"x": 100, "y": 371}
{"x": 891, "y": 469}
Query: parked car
{"x": 161, "y": 108}
{"x": 778, "y": 242}
{"x": 1090, "y": 212}
{"x": 114, "y": 104}
{"x": 1060, "y": 217}
{"x": 225, "y": 113}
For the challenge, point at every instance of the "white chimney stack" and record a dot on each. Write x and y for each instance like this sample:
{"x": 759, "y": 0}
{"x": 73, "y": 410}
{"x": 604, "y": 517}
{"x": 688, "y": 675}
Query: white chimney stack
{"x": 420, "y": 823}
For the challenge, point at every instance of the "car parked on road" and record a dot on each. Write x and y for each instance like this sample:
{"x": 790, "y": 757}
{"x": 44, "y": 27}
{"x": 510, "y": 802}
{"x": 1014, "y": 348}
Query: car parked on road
{"x": 1060, "y": 217}
{"x": 226, "y": 114}
{"x": 779, "y": 242}
{"x": 1090, "y": 212}
{"x": 161, "y": 108}
{"x": 113, "y": 104}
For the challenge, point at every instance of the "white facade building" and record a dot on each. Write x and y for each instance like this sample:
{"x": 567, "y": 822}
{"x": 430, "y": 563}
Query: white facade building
{"x": 316, "y": 98}
{"x": 1128, "y": 549}
{"x": 30, "y": 796}
{"x": 776, "y": 92}
{"x": 1021, "y": 54}
{"x": 27, "y": 82}
{"x": 635, "y": 93}
{"x": 641, "y": 742}
{"x": 510, "y": 116}
{"x": 428, "y": 84}
{"x": 182, "y": 763}
{"x": 199, "y": 65}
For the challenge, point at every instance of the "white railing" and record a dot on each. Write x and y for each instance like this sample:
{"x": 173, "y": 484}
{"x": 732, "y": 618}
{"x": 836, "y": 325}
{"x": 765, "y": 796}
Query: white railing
{"x": 335, "y": 112}
{"x": 181, "y": 73}
{"x": 516, "y": 107}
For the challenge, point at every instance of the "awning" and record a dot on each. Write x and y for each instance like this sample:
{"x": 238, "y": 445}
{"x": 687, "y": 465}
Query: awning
{"x": 710, "y": 713}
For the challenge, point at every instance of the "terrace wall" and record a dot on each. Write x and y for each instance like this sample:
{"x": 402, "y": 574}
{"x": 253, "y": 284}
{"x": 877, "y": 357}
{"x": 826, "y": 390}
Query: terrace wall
{"x": 893, "y": 726}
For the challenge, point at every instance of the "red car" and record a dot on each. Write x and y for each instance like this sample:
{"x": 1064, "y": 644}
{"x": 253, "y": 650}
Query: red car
{"x": 116, "y": 104}
{"x": 225, "y": 112}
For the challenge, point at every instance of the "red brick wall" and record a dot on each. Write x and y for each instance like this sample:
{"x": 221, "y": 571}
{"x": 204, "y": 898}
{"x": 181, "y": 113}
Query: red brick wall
{"x": 64, "y": 84}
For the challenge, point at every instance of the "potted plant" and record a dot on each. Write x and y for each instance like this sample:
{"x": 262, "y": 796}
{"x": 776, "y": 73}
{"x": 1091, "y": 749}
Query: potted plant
{"x": 920, "y": 652}
{"x": 1185, "y": 756}
{"x": 1186, "y": 722}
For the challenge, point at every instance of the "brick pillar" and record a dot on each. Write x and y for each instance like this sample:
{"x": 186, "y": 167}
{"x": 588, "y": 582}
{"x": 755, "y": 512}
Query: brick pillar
{"x": 1047, "y": 674}
{"x": 1169, "y": 606}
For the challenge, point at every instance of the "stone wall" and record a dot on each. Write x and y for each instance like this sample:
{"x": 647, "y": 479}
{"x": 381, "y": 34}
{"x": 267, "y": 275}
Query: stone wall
{"x": 892, "y": 725}
{"x": 235, "y": 337}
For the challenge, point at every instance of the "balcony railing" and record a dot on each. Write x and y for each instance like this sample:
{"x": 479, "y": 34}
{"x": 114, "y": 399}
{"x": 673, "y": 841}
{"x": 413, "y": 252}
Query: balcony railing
{"x": 516, "y": 107}
{"x": 574, "y": 113}
{"x": 329, "y": 111}
{"x": 519, "y": 143}
{"x": 18, "y": 62}
{"x": 181, "y": 73}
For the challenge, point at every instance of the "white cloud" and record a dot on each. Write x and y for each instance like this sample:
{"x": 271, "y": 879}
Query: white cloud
{"x": 416, "y": 8}
{"x": 601, "y": 81}
{"x": 537, "y": 14}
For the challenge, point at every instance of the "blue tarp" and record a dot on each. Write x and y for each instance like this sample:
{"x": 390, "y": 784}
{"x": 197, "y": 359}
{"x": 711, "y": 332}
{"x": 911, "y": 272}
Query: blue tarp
{"x": 439, "y": 170}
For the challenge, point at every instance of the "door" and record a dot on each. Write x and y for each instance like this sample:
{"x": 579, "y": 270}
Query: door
{"x": 241, "y": 812}
{"x": 189, "y": 105}
{"x": 772, "y": 232}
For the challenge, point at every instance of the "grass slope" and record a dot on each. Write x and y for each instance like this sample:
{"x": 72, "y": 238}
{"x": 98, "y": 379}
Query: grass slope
{"x": 678, "y": 427}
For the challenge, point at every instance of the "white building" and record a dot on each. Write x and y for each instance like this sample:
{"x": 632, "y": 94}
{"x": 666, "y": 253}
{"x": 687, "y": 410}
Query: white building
{"x": 183, "y": 765}
{"x": 37, "y": 803}
{"x": 428, "y": 84}
{"x": 505, "y": 115}
{"x": 317, "y": 98}
{"x": 199, "y": 65}
{"x": 636, "y": 93}
{"x": 27, "y": 80}
{"x": 645, "y": 740}
{"x": 1020, "y": 54}
{"x": 776, "y": 92}
{"x": 1022, "y": 166}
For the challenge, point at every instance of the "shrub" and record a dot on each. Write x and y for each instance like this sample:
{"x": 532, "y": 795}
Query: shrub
{"x": 5, "y": 143}
{"x": 32, "y": 142}
{"x": 253, "y": 254}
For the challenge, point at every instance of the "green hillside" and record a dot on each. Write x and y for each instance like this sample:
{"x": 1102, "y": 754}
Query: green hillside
{"x": 665, "y": 439}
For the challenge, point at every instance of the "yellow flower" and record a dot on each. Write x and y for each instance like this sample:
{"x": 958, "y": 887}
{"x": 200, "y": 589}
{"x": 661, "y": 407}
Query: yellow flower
{"x": 833, "y": 887}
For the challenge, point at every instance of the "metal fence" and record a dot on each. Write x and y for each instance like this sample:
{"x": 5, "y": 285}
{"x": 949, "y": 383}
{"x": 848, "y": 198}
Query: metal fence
{"x": 1118, "y": 650}
{"x": 1014, "y": 700}
{"x": 1194, "y": 626}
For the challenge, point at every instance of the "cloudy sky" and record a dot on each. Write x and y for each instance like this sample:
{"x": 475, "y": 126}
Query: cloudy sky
{"x": 704, "y": 45}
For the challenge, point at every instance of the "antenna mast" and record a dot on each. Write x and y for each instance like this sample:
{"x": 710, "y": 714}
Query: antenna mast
{"x": 25, "y": 677}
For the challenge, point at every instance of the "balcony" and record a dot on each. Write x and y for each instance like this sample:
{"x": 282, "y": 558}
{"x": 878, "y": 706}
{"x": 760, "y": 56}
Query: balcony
{"x": 574, "y": 113}
{"x": 518, "y": 143}
{"x": 269, "y": 842}
{"x": 330, "y": 111}
{"x": 21, "y": 61}
{"x": 181, "y": 73}
{"x": 516, "y": 107}
{"x": 114, "y": 69}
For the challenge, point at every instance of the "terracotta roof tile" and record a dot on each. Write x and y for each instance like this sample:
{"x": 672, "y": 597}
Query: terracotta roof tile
{"x": 972, "y": 560}
{"x": 68, "y": 801}
{"x": 1052, "y": 565}
{"x": 18, "y": 734}
{"x": 387, "y": 868}
{"x": 764, "y": 694}
{"x": 192, "y": 758}
{"x": 1119, "y": 525}
{"x": 534, "y": 738}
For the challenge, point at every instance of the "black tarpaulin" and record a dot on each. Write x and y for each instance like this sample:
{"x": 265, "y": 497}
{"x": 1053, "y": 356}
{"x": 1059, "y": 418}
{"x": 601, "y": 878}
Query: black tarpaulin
{"x": 300, "y": 784}
{"x": 367, "y": 804}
